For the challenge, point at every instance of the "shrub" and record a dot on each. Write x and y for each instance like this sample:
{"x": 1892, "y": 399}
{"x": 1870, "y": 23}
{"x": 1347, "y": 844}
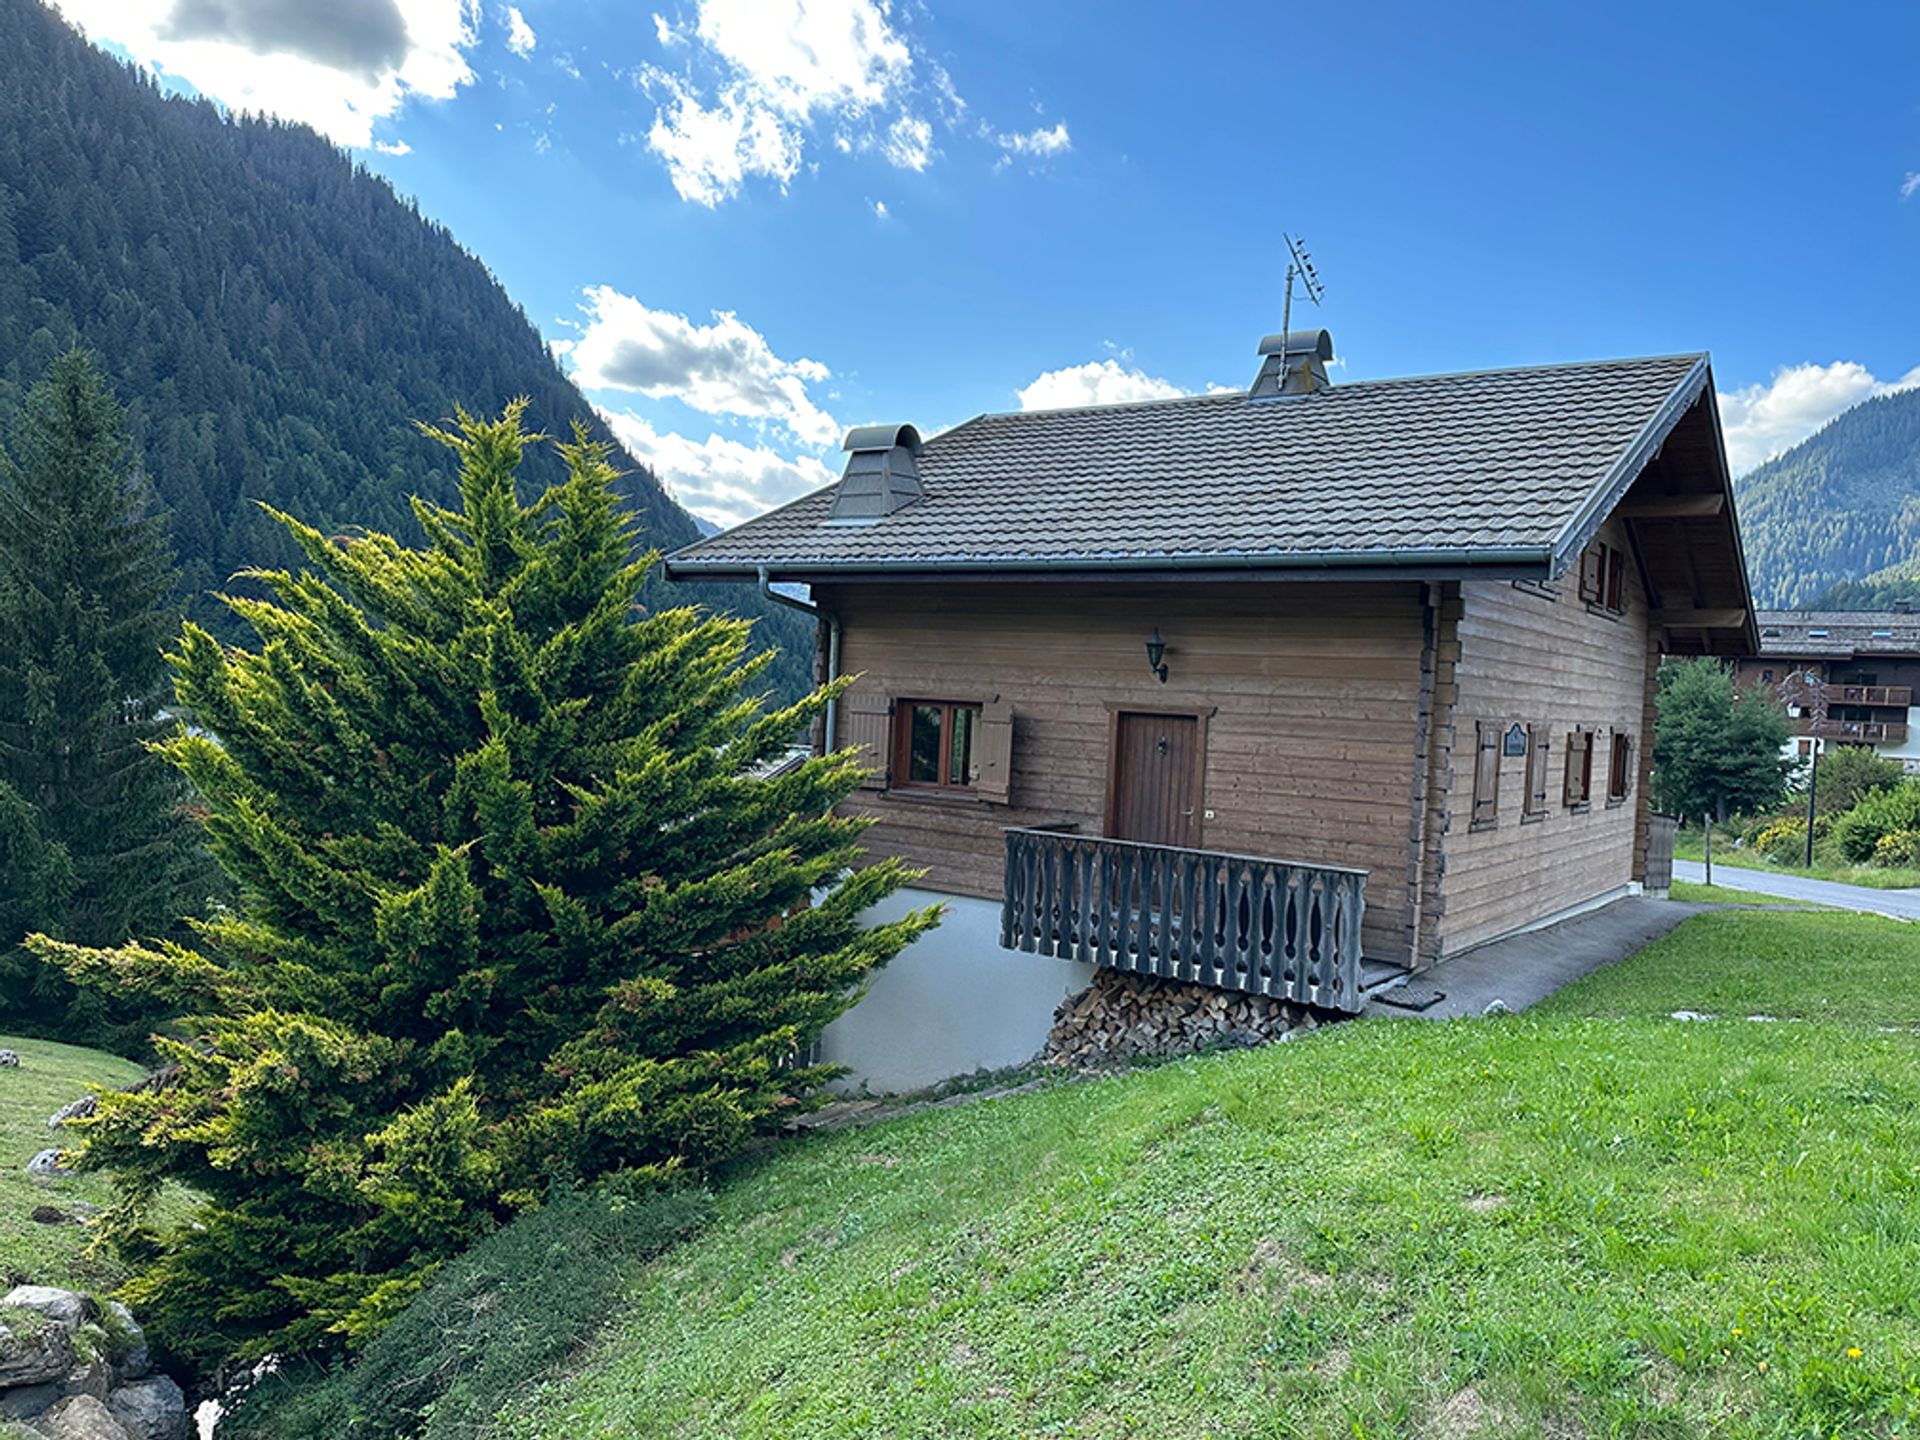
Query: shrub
{"x": 1783, "y": 841}
{"x": 1897, "y": 848}
{"x": 518, "y": 898}
{"x": 1857, "y": 833}
{"x": 483, "y": 1329}
{"x": 1850, "y": 773}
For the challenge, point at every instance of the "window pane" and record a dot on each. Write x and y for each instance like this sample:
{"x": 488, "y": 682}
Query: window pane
{"x": 960, "y": 770}
{"x": 923, "y": 746}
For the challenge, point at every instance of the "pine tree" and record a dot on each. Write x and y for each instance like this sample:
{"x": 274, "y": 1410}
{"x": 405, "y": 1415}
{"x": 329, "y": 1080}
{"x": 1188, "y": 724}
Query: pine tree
{"x": 1717, "y": 751}
{"x": 93, "y": 847}
{"x": 518, "y": 899}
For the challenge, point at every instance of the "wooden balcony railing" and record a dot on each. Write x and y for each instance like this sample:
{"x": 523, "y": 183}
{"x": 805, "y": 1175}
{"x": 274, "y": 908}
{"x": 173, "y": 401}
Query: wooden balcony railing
{"x": 1855, "y": 732}
{"x": 1888, "y": 695}
{"x": 1239, "y": 922}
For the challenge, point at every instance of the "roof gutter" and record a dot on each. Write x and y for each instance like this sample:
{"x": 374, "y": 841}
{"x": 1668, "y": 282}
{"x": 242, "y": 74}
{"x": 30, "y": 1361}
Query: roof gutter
{"x": 1510, "y": 555}
{"x": 767, "y": 592}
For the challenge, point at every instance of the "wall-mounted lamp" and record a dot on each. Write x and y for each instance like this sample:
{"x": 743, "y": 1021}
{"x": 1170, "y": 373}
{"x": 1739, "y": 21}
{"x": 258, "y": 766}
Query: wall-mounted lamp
{"x": 1156, "y": 655}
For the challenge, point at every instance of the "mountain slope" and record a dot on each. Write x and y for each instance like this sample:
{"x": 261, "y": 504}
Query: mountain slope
{"x": 273, "y": 317}
{"x": 1842, "y": 504}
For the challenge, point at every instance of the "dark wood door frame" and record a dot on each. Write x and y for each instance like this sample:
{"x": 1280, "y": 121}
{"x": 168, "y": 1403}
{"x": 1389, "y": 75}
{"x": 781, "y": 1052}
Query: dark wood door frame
{"x": 1117, "y": 708}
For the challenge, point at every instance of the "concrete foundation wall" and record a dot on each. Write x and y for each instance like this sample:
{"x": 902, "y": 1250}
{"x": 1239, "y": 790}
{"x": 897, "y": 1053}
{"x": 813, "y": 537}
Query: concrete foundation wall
{"x": 951, "y": 1003}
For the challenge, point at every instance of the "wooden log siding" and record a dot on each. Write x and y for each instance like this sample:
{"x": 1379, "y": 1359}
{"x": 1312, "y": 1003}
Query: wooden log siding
{"x": 1574, "y": 670}
{"x": 1313, "y": 692}
{"x": 1237, "y": 922}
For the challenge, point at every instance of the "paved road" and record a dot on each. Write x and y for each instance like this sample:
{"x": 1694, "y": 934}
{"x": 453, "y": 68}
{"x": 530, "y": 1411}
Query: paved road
{"x": 1902, "y": 903}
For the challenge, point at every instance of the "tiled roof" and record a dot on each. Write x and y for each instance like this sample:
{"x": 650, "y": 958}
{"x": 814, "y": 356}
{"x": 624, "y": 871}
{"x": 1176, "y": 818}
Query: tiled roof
{"x": 1838, "y": 632}
{"x": 1488, "y": 467}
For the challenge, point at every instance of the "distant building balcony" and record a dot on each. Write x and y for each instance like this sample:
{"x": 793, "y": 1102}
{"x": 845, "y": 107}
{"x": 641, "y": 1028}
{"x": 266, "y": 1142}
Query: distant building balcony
{"x": 1891, "y": 696}
{"x": 1855, "y": 732}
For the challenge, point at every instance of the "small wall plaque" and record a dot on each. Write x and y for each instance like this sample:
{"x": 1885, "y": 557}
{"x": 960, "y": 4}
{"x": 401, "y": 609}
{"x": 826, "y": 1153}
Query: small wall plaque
{"x": 1515, "y": 742}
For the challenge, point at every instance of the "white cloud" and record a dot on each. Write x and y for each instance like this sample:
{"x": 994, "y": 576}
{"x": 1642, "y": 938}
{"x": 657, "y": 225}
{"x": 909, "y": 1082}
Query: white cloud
{"x": 1910, "y": 184}
{"x": 520, "y": 36}
{"x": 339, "y": 67}
{"x": 719, "y": 479}
{"x": 1760, "y": 421}
{"x": 1041, "y": 144}
{"x": 779, "y": 65}
{"x": 725, "y": 368}
{"x": 879, "y": 209}
{"x": 909, "y": 143}
{"x": 1098, "y": 382}
{"x": 393, "y": 147}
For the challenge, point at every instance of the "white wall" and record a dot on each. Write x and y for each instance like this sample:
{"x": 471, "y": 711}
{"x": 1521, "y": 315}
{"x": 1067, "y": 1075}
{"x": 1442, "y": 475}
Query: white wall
{"x": 951, "y": 1003}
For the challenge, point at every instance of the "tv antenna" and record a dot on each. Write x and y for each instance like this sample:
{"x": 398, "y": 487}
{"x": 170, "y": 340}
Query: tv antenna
{"x": 1300, "y": 268}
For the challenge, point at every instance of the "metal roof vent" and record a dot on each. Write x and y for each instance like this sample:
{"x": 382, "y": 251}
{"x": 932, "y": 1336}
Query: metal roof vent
{"x": 881, "y": 474}
{"x": 1296, "y": 364}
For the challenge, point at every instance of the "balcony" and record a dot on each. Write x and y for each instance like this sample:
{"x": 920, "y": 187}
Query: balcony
{"x": 1855, "y": 732}
{"x": 1237, "y": 922}
{"x": 1891, "y": 696}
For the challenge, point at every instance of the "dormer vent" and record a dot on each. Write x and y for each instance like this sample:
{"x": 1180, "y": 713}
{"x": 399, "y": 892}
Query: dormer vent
{"x": 1295, "y": 364}
{"x": 881, "y": 475}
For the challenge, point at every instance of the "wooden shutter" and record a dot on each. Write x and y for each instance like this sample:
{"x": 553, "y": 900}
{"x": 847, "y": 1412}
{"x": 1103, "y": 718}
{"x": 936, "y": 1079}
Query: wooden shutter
{"x": 864, "y": 724}
{"x": 993, "y": 752}
{"x": 1616, "y": 578}
{"x": 1592, "y": 572}
{"x": 1539, "y": 749}
{"x": 1573, "y": 792}
{"x": 1619, "y": 764}
{"x": 1486, "y": 773}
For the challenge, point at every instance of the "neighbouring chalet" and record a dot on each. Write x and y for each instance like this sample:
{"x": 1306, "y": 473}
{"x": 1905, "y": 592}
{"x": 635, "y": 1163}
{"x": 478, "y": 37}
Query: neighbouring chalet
{"x": 1863, "y": 664}
{"x": 1287, "y": 691}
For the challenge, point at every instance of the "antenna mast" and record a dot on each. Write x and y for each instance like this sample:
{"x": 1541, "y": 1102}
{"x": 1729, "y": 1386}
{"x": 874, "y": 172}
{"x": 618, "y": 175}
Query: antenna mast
{"x": 1299, "y": 267}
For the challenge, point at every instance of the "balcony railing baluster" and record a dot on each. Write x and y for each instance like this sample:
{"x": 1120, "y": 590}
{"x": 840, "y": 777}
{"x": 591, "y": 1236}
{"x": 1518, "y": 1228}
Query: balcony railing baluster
{"x": 1240, "y": 922}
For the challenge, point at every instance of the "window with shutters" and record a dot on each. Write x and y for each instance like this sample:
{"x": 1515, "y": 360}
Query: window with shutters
{"x": 1603, "y": 577}
{"x": 933, "y": 744}
{"x": 1486, "y": 776}
{"x": 1539, "y": 744}
{"x": 1578, "y": 789}
{"x": 1619, "y": 768}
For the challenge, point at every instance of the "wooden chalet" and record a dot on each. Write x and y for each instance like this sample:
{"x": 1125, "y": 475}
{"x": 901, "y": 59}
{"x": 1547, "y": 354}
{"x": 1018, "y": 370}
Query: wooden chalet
{"x": 1289, "y": 691}
{"x": 1848, "y": 676}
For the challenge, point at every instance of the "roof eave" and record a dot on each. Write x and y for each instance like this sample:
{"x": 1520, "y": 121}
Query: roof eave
{"x": 1521, "y": 560}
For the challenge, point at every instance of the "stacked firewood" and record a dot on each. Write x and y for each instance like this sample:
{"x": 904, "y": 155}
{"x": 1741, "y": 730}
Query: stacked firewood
{"x": 1123, "y": 1017}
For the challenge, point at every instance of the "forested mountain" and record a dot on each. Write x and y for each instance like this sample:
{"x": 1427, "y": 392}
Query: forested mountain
{"x": 1838, "y": 507}
{"x": 273, "y": 317}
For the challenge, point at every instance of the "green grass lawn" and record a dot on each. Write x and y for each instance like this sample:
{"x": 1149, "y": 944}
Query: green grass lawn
{"x": 49, "y": 1076}
{"x": 1688, "y": 845}
{"x": 1727, "y": 895}
{"x": 1590, "y": 1220}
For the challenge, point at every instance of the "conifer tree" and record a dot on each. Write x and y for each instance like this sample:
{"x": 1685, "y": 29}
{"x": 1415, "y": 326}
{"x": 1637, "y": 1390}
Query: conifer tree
{"x": 518, "y": 898}
{"x": 93, "y": 847}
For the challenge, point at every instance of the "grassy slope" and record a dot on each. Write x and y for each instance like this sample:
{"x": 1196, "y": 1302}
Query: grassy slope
{"x": 1548, "y": 1225}
{"x": 49, "y": 1076}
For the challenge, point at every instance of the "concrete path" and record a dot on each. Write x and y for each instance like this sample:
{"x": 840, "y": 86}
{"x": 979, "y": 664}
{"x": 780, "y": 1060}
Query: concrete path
{"x": 1902, "y": 904}
{"x": 1524, "y": 969}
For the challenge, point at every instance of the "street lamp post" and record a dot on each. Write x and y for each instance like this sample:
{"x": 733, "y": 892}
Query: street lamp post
{"x": 1809, "y": 691}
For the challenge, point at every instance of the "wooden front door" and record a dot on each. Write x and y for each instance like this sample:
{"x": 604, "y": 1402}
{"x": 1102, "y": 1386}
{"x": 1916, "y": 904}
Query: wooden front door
{"x": 1156, "y": 778}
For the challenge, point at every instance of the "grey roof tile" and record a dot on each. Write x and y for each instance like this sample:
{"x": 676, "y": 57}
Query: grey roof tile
{"x": 1485, "y": 461}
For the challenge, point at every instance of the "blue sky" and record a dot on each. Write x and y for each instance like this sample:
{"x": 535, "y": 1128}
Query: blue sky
{"x": 749, "y": 224}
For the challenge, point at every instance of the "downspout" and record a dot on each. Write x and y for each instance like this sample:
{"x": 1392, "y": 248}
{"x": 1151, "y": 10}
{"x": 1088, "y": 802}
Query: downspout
{"x": 806, "y": 607}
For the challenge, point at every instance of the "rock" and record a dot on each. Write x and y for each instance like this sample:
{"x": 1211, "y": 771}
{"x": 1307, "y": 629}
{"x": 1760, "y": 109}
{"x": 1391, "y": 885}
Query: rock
{"x": 80, "y": 1109}
{"x": 66, "y": 1308}
{"x": 23, "y": 1402}
{"x": 1496, "y": 1006}
{"x": 152, "y": 1409}
{"x": 80, "y": 1417}
{"x": 132, "y": 1359}
{"x": 94, "y": 1378}
{"x": 46, "y": 1166}
{"x": 51, "y": 1215}
{"x": 9, "y": 1060}
{"x": 36, "y": 1356}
